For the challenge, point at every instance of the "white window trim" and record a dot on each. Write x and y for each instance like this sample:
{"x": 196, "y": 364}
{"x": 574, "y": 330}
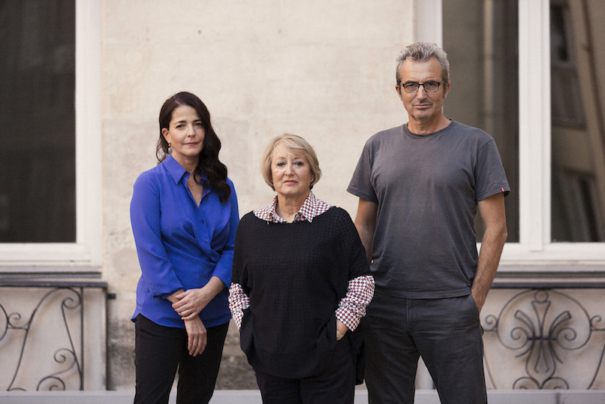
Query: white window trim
{"x": 85, "y": 255}
{"x": 534, "y": 252}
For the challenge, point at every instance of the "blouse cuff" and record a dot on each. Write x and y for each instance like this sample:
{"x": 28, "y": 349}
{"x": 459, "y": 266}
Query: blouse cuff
{"x": 238, "y": 302}
{"x": 353, "y": 306}
{"x": 223, "y": 268}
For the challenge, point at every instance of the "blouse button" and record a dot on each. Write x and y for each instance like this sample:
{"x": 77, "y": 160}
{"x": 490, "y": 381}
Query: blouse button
{"x": 206, "y": 240}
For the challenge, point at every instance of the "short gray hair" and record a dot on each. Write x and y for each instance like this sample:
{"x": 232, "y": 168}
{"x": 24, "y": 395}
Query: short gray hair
{"x": 293, "y": 143}
{"x": 421, "y": 52}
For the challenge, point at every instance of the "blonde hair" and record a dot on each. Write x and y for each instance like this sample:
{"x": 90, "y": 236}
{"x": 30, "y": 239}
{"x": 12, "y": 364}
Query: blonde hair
{"x": 294, "y": 144}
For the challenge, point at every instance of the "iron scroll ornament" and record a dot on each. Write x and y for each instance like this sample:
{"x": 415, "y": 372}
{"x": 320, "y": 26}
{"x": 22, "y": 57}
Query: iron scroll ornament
{"x": 546, "y": 330}
{"x": 68, "y": 359}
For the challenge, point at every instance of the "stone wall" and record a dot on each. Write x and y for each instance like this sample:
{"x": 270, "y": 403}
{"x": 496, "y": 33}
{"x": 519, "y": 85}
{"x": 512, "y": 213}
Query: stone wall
{"x": 322, "y": 70}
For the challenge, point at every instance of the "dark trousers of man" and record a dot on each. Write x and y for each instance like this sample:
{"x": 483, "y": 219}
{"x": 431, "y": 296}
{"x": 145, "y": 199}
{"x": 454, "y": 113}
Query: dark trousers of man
{"x": 445, "y": 332}
{"x": 335, "y": 384}
{"x": 160, "y": 350}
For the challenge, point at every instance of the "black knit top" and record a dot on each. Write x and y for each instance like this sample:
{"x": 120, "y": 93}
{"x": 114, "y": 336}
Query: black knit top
{"x": 295, "y": 274}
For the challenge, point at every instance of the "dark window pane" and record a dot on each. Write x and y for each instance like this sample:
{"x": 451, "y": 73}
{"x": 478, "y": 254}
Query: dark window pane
{"x": 481, "y": 40}
{"x": 37, "y": 117}
{"x": 578, "y": 134}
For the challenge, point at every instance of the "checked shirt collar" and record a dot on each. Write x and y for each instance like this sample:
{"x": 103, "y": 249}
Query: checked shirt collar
{"x": 311, "y": 208}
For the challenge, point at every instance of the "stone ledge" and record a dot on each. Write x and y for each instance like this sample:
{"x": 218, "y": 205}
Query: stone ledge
{"x": 253, "y": 397}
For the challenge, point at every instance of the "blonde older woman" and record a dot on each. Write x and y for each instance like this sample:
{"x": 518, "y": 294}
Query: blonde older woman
{"x": 300, "y": 283}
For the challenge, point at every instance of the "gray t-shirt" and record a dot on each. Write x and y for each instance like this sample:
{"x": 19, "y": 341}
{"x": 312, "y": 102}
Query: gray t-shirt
{"x": 427, "y": 188}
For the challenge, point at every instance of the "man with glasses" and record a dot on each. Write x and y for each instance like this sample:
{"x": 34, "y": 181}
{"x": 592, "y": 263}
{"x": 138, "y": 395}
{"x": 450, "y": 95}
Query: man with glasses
{"x": 420, "y": 186}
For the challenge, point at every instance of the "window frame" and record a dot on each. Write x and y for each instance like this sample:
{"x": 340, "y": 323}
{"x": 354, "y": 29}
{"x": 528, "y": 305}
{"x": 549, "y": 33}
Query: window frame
{"x": 84, "y": 256}
{"x": 534, "y": 252}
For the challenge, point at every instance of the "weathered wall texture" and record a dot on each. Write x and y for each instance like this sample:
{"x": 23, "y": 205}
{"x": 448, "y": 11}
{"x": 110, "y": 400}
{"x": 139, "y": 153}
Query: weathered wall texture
{"x": 322, "y": 70}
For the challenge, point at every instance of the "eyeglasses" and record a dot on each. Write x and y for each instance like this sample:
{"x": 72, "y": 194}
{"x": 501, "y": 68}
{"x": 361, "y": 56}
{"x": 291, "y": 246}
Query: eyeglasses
{"x": 429, "y": 86}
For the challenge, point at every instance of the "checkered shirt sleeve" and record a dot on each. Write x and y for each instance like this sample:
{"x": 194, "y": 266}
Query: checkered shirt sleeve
{"x": 353, "y": 306}
{"x": 238, "y": 302}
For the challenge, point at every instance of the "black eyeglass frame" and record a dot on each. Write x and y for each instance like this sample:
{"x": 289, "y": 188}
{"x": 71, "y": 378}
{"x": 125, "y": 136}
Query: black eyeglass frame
{"x": 439, "y": 83}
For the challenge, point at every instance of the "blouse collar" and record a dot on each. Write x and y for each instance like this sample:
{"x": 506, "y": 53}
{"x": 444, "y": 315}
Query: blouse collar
{"x": 177, "y": 172}
{"x": 311, "y": 208}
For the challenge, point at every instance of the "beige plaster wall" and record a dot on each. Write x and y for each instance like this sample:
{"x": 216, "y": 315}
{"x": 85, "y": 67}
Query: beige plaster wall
{"x": 320, "y": 69}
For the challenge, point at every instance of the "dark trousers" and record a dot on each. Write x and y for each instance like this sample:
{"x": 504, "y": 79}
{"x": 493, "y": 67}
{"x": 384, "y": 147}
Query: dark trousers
{"x": 333, "y": 385}
{"x": 160, "y": 351}
{"x": 446, "y": 333}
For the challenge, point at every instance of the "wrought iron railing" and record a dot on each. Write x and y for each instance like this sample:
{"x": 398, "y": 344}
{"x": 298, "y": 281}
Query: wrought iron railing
{"x": 46, "y": 359}
{"x": 547, "y": 336}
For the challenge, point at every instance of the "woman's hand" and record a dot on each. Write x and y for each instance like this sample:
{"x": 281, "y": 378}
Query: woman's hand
{"x": 341, "y": 329}
{"x": 190, "y": 303}
{"x": 197, "y": 337}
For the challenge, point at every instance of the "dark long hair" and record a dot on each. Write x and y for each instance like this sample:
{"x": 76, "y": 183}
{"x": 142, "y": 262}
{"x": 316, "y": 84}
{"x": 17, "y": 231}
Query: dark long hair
{"x": 209, "y": 162}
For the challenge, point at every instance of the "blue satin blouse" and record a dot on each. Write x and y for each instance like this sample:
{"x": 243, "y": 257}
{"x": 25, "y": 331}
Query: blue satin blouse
{"x": 181, "y": 244}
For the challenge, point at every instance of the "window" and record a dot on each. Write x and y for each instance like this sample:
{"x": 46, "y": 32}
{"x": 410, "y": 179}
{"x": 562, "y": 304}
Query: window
{"x": 50, "y": 209}
{"x": 531, "y": 74}
{"x": 578, "y": 135}
{"x": 37, "y": 114}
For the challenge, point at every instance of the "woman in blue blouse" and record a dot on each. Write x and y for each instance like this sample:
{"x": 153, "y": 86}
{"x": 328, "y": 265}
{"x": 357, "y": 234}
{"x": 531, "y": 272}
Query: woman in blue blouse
{"x": 184, "y": 216}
